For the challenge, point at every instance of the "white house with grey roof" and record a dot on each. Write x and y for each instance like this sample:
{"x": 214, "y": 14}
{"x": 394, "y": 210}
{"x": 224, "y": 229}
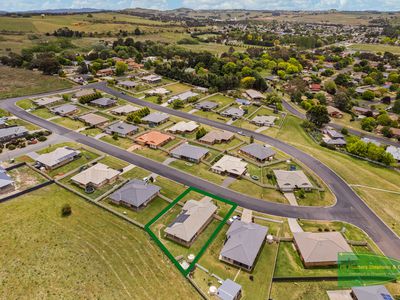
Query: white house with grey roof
{"x": 193, "y": 219}
{"x": 6, "y": 182}
{"x": 260, "y": 153}
{"x": 288, "y": 181}
{"x": 122, "y": 129}
{"x": 10, "y": 133}
{"x": 135, "y": 194}
{"x": 65, "y": 110}
{"x": 229, "y": 290}
{"x": 243, "y": 244}
{"x": 264, "y": 120}
{"x": 104, "y": 102}
{"x": 230, "y": 165}
{"x": 206, "y": 105}
{"x": 57, "y": 158}
{"x": 155, "y": 119}
{"x": 320, "y": 248}
{"x": 233, "y": 112}
{"x": 189, "y": 152}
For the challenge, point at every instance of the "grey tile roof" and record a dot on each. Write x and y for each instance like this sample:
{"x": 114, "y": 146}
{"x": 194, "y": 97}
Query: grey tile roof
{"x": 64, "y": 109}
{"x": 135, "y": 192}
{"x": 258, "y": 151}
{"x": 244, "y": 241}
{"x": 233, "y": 112}
{"x": 5, "y": 179}
{"x": 189, "y": 151}
{"x": 229, "y": 290}
{"x": 11, "y": 131}
{"x": 122, "y": 128}
{"x": 206, "y": 105}
{"x": 155, "y": 117}
{"x": 103, "y": 101}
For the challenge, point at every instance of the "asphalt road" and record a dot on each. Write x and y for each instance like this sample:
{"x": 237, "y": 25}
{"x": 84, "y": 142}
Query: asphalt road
{"x": 382, "y": 140}
{"x": 349, "y": 207}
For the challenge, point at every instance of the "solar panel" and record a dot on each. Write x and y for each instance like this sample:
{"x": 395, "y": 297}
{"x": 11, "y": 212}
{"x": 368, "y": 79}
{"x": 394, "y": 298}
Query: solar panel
{"x": 386, "y": 297}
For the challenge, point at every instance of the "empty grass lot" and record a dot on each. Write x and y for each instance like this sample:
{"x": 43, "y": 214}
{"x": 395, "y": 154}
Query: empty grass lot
{"x": 68, "y": 123}
{"x": 90, "y": 254}
{"x": 120, "y": 142}
{"x": 178, "y": 88}
{"x": 16, "y": 82}
{"x": 24, "y": 177}
{"x": 43, "y": 113}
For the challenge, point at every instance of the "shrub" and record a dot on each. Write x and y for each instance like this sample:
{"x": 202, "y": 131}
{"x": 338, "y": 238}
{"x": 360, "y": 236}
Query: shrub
{"x": 66, "y": 210}
{"x": 42, "y": 138}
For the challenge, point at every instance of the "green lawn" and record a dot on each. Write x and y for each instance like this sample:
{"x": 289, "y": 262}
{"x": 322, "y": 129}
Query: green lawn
{"x": 25, "y": 104}
{"x": 43, "y": 113}
{"x": 376, "y": 48}
{"x": 20, "y": 122}
{"x": 121, "y": 142}
{"x": 200, "y": 170}
{"x": 15, "y": 82}
{"x": 91, "y": 254}
{"x": 91, "y": 132}
{"x": 114, "y": 162}
{"x": 24, "y": 177}
{"x": 154, "y": 154}
{"x": 68, "y": 123}
{"x": 178, "y": 88}
{"x": 221, "y": 100}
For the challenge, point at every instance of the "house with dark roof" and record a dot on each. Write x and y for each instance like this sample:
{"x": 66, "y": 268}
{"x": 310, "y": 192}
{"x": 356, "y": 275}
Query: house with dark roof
{"x": 135, "y": 194}
{"x": 6, "y": 182}
{"x": 193, "y": 219}
{"x": 189, "y": 152}
{"x": 128, "y": 84}
{"x": 10, "y": 133}
{"x": 243, "y": 244}
{"x": 104, "y": 102}
{"x": 122, "y": 129}
{"x": 64, "y": 110}
{"x": 155, "y": 119}
{"x": 206, "y": 105}
{"x": 233, "y": 112}
{"x": 258, "y": 152}
{"x": 229, "y": 290}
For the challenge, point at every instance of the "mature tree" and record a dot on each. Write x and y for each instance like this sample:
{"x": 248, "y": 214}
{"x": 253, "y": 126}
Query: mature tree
{"x": 368, "y": 124}
{"x": 120, "y": 68}
{"x": 47, "y": 63}
{"x": 342, "y": 101}
{"x": 330, "y": 87}
{"x": 368, "y": 95}
{"x": 318, "y": 115}
{"x": 396, "y": 106}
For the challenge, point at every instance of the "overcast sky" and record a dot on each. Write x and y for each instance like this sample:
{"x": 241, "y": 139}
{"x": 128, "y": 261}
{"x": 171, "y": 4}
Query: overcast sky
{"x": 18, "y": 5}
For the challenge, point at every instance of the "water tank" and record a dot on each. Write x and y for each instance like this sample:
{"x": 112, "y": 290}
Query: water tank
{"x": 270, "y": 239}
{"x": 191, "y": 257}
{"x": 212, "y": 290}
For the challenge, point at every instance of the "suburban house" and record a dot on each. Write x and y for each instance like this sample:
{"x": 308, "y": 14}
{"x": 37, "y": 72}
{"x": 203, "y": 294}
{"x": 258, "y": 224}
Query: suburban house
{"x": 315, "y": 87}
{"x": 45, "y": 101}
{"x": 320, "y": 248}
{"x": 254, "y": 95}
{"x": 155, "y": 119}
{"x": 189, "y": 152}
{"x": 127, "y": 84}
{"x": 242, "y": 101}
{"x": 84, "y": 92}
{"x": 154, "y": 139}
{"x": 369, "y": 140}
{"x": 206, "y": 105}
{"x": 96, "y": 176}
{"x": 243, "y": 244}
{"x": 122, "y": 129}
{"x": 334, "y": 112}
{"x": 395, "y": 151}
{"x": 371, "y": 292}
{"x": 193, "y": 219}
{"x": 258, "y": 152}
{"x": 217, "y": 137}
{"x": 233, "y": 112}
{"x": 288, "y": 181}
{"x": 183, "y": 96}
{"x": 152, "y": 78}
{"x": 124, "y": 110}
{"x": 135, "y": 194}
{"x": 103, "y": 102}
{"x": 92, "y": 119}
{"x": 183, "y": 127}
{"x": 361, "y": 111}
{"x": 158, "y": 91}
{"x": 264, "y": 120}
{"x": 57, "y": 158}
{"x": 65, "y": 110}
{"x": 230, "y": 165}
{"x": 10, "y": 133}
{"x": 6, "y": 182}
{"x": 105, "y": 72}
{"x": 332, "y": 137}
{"x": 229, "y": 290}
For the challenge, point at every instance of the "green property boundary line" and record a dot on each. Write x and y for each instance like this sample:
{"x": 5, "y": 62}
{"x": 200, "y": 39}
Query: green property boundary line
{"x": 208, "y": 242}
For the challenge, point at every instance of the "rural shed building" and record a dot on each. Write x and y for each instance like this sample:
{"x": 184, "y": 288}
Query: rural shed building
{"x": 243, "y": 244}
{"x": 258, "y": 152}
{"x": 122, "y": 129}
{"x": 96, "y": 176}
{"x": 230, "y": 165}
{"x": 64, "y": 110}
{"x": 189, "y": 152}
{"x": 135, "y": 194}
{"x": 229, "y": 290}
{"x": 288, "y": 181}
{"x": 193, "y": 219}
{"x": 320, "y": 248}
{"x": 154, "y": 139}
{"x": 58, "y": 157}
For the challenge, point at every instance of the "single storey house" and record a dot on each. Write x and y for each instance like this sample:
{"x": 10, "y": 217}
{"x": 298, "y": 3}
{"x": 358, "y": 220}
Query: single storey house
{"x": 154, "y": 139}
{"x": 243, "y": 244}
{"x": 217, "y": 137}
{"x": 11, "y": 133}
{"x": 45, "y": 101}
{"x": 206, "y": 105}
{"x": 96, "y": 176}
{"x": 183, "y": 96}
{"x": 65, "y": 110}
{"x": 135, "y": 194}
{"x": 152, "y": 78}
{"x": 254, "y": 95}
{"x": 155, "y": 119}
{"x": 230, "y": 165}
{"x": 193, "y": 219}
{"x": 264, "y": 120}
{"x": 127, "y": 84}
{"x": 233, "y": 112}
{"x": 370, "y": 292}
{"x": 189, "y": 152}
{"x": 288, "y": 181}
{"x": 57, "y": 158}
{"x": 334, "y": 112}
{"x": 103, "y": 102}
{"x": 183, "y": 127}
{"x": 229, "y": 290}
{"x": 6, "y": 182}
{"x": 124, "y": 110}
{"x": 122, "y": 129}
{"x": 258, "y": 152}
{"x": 92, "y": 119}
